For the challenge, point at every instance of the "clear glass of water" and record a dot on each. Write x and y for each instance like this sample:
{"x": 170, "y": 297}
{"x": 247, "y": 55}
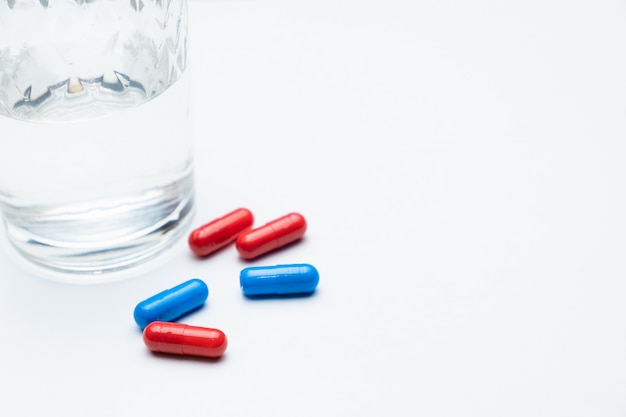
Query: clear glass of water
{"x": 96, "y": 162}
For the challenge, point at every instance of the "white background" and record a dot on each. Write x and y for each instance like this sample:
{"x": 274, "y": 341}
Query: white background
{"x": 462, "y": 169}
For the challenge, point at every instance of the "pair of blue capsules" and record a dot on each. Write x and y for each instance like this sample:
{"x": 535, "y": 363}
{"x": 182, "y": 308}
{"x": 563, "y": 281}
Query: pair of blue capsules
{"x": 256, "y": 282}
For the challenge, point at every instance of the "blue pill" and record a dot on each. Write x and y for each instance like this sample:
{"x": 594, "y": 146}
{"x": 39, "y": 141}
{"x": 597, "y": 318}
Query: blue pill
{"x": 173, "y": 303}
{"x": 279, "y": 279}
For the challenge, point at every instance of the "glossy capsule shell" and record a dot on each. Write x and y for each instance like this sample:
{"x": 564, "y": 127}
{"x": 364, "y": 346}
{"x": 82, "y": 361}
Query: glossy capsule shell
{"x": 183, "y": 339}
{"x": 220, "y": 232}
{"x": 171, "y": 304}
{"x": 279, "y": 279}
{"x": 271, "y": 236}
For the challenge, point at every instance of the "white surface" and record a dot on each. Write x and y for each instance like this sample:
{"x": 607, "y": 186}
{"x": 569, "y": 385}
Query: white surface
{"x": 462, "y": 168}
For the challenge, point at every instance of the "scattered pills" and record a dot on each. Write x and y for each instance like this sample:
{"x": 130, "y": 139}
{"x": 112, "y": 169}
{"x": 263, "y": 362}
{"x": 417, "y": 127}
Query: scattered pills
{"x": 156, "y": 314}
{"x": 279, "y": 279}
{"x": 182, "y": 339}
{"x": 273, "y": 235}
{"x": 173, "y": 303}
{"x": 213, "y": 236}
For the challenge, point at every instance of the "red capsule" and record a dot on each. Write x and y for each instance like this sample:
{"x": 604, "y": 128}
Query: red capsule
{"x": 182, "y": 339}
{"x": 273, "y": 235}
{"x": 220, "y": 232}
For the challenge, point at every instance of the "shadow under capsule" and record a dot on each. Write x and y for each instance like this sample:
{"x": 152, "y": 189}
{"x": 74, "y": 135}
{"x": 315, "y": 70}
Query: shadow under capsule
{"x": 280, "y": 296}
{"x": 186, "y": 358}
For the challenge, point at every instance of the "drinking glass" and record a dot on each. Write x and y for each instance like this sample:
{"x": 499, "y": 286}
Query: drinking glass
{"x": 96, "y": 161}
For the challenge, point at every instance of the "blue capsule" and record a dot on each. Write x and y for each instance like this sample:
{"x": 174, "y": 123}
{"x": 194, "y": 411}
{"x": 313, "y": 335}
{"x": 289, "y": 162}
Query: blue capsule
{"x": 173, "y": 303}
{"x": 279, "y": 279}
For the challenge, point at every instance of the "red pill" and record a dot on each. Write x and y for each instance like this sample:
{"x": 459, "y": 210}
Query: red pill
{"x": 273, "y": 235}
{"x": 182, "y": 339}
{"x": 220, "y": 232}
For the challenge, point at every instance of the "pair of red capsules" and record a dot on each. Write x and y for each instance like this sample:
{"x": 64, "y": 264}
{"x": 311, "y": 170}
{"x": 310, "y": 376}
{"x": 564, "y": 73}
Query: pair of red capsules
{"x": 236, "y": 226}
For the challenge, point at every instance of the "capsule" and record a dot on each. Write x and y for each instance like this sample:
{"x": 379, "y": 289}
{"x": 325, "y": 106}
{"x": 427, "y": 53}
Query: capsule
{"x": 173, "y": 303}
{"x": 279, "y": 279}
{"x": 273, "y": 235}
{"x": 182, "y": 339}
{"x": 218, "y": 233}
